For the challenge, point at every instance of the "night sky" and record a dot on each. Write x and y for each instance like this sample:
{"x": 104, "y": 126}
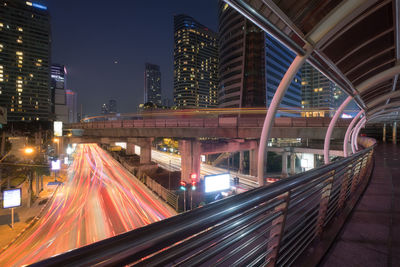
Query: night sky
{"x": 89, "y": 36}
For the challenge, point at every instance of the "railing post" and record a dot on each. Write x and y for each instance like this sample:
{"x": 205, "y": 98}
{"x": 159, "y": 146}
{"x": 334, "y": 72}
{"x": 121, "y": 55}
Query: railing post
{"x": 344, "y": 186}
{"x": 323, "y": 205}
{"x": 356, "y": 173}
{"x": 276, "y": 232}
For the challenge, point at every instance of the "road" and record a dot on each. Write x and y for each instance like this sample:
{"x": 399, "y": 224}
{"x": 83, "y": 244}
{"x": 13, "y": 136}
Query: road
{"x": 99, "y": 199}
{"x": 173, "y": 162}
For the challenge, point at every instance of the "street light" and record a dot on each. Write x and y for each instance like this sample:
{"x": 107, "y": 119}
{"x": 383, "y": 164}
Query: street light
{"x": 29, "y": 150}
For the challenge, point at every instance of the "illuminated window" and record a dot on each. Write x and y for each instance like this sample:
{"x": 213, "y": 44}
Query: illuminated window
{"x": 29, "y": 3}
{"x": 19, "y": 53}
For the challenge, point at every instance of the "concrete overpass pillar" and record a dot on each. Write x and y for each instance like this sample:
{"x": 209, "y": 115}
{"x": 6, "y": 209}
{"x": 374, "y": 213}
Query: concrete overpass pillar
{"x": 394, "y": 132}
{"x": 145, "y": 152}
{"x": 253, "y": 158}
{"x": 130, "y": 148}
{"x": 284, "y": 164}
{"x": 292, "y": 163}
{"x": 145, "y": 148}
{"x": 384, "y": 133}
{"x": 190, "y": 158}
{"x": 241, "y": 161}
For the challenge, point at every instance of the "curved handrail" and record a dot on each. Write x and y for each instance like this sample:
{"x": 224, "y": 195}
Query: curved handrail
{"x": 140, "y": 243}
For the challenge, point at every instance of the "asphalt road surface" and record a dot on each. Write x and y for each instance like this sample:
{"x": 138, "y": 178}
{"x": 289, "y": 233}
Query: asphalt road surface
{"x": 99, "y": 199}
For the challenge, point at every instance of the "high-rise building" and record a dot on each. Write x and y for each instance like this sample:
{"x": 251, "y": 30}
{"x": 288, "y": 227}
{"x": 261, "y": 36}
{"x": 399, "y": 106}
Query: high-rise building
{"x": 24, "y": 60}
{"x": 112, "y": 106}
{"x": 195, "y": 64}
{"x": 317, "y": 93}
{"x": 278, "y": 59}
{"x": 252, "y": 64}
{"x": 104, "y": 109}
{"x": 72, "y": 105}
{"x": 58, "y": 76}
{"x": 242, "y": 60}
{"x": 152, "y": 84}
{"x": 58, "y": 94}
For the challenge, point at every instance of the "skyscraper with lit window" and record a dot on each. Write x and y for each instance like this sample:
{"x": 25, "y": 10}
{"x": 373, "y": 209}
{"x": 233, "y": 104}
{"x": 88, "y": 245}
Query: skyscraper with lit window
{"x": 152, "y": 84}
{"x": 24, "y": 60}
{"x": 112, "y": 106}
{"x": 58, "y": 83}
{"x": 195, "y": 64}
{"x": 318, "y": 98}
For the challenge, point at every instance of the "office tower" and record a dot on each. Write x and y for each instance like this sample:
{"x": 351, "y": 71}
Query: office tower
{"x": 317, "y": 93}
{"x": 242, "y": 60}
{"x": 152, "y": 84}
{"x": 278, "y": 60}
{"x": 58, "y": 94}
{"x": 195, "y": 64}
{"x": 252, "y": 64}
{"x": 72, "y": 105}
{"x": 24, "y": 60}
{"x": 104, "y": 109}
{"x": 112, "y": 106}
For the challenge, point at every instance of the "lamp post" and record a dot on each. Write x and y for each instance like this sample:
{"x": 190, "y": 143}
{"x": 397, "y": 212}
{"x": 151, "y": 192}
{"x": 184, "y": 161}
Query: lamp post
{"x": 57, "y": 141}
{"x": 29, "y": 151}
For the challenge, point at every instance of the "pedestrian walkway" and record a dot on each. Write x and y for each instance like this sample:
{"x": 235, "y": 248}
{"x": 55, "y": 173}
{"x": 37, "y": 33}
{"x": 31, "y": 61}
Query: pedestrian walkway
{"x": 371, "y": 235}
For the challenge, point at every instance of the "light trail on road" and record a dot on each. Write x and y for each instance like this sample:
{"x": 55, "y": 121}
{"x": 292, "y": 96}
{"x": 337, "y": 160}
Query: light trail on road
{"x": 100, "y": 199}
{"x": 246, "y": 182}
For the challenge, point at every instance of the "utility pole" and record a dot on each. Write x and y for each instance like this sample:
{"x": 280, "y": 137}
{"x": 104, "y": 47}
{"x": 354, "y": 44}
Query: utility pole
{"x": 169, "y": 176}
{"x": 2, "y": 148}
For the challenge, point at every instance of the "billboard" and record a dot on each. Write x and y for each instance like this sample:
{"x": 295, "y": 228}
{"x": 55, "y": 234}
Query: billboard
{"x": 55, "y": 165}
{"x": 11, "y": 198}
{"x": 121, "y": 144}
{"x": 58, "y": 125}
{"x": 217, "y": 182}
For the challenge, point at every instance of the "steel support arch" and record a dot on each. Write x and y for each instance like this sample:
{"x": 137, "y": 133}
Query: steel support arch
{"x": 348, "y": 132}
{"x": 272, "y": 109}
{"x": 354, "y": 145}
{"x": 332, "y": 126}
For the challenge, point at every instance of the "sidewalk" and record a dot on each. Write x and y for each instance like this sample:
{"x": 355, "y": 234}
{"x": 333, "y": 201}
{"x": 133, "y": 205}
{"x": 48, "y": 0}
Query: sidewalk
{"x": 24, "y": 216}
{"x": 371, "y": 235}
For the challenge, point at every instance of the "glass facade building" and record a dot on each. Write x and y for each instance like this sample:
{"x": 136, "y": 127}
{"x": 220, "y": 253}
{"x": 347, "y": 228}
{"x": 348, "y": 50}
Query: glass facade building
{"x": 152, "y": 84}
{"x": 25, "y": 60}
{"x": 278, "y": 60}
{"x": 242, "y": 61}
{"x": 195, "y": 64}
{"x": 252, "y": 64}
{"x": 317, "y": 93}
{"x": 112, "y": 106}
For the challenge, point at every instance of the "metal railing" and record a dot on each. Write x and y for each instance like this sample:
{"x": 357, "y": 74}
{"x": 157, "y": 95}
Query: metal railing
{"x": 269, "y": 225}
{"x": 220, "y": 122}
{"x": 169, "y": 197}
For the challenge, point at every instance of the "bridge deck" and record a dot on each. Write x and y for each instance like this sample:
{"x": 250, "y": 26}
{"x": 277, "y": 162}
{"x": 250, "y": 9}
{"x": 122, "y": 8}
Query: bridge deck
{"x": 371, "y": 236}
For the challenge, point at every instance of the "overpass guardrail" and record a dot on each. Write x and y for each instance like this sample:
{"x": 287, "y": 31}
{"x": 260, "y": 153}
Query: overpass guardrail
{"x": 208, "y": 123}
{"x": 272, "y": 225}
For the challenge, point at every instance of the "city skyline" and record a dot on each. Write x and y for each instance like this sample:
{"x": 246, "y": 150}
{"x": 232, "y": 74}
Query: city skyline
{"x": 102, "y": 68}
